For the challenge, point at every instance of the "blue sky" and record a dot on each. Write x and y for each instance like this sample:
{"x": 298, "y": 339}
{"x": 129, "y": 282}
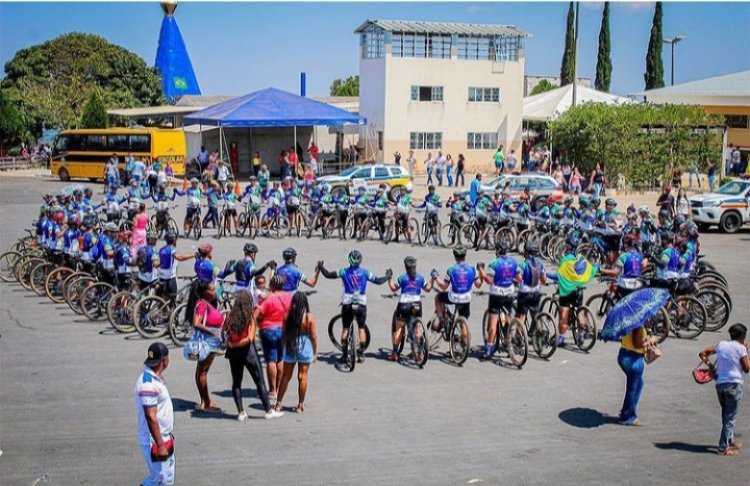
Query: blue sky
{"x": 237, "y": 48}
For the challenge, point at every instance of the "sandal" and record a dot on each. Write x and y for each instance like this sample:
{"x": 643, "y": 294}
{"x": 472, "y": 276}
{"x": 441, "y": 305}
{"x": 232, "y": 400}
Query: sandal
{"x": 735, "y": 445}
{"x": 300, "y": 408}
{"x": 212, "y": 408}
{"x": 728, "y": 452}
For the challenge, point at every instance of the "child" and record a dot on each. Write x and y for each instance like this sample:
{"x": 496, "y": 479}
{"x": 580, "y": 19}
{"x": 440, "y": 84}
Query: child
{"x": 309, "y": 178}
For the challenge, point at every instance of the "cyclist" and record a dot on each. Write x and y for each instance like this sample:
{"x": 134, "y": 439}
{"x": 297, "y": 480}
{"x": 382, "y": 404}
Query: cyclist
{"x": 355, "y": 279}
{"x": 293, "y": 200}
{"x": 106, "y": 253}
{"x": 567, "y": 212}
{"x": 668, "y": 262}
{"x": 607, "y": 219}
{"x": 123, "y": 259}
{"x": 500, "y": 276}
{"x": 168, "y": 258}
{"x": 194, "y": 194}
{"x": 456, "y": 287}
{"x": 342, "y": 206}
{"x": 70, "y": 241}
{"x": 481, "y": 207}
{"x": 147, "y": 259}
{"x": 292, "y": 275}
{"x": 113, "y": 202}
{"x": 530, "y": 276}
{"x": 379, "y": 204}
{"x": 403, "y": 206}
{"x": 647, "y": 229}
{"x": 230, "y": 209}
{"x": 359, "y": 204}
{"x": 411, "y": 284}
{"x": 212, "y": 196}
{"x": 665, "y": 220}
{"x": 204, "y": 267}
{"x": 246, "y": 271}
{"x": 87, "y": 240}
{"x": 431, "y": 204}
{"x": 628, "y": 267}
{"x": 545, "y": 212}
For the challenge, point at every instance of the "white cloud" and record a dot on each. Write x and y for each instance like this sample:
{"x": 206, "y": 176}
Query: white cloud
{"x": 474, "y": 8}
{"x": 637, "y": 6}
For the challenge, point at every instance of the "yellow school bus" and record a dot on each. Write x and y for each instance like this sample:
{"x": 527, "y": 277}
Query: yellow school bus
{"x": 82, "y": 154}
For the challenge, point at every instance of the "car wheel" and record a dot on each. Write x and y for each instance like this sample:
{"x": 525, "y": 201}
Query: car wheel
{"x": 396, "y": 190}
{"x": 63, "y": 174}
{"x": 730, "y": 222}
{"x": 703, "y": 227}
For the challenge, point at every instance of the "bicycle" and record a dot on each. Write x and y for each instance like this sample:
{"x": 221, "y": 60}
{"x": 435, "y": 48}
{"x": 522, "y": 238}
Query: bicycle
{"x": 511, "y": 337}
{"x": 248, "y": 220}
{"x": 431, "y": 228}
{"x": 541, "y": 329}
{"x": 180, "y": 328}
{"x": 455, "y": 331}
{"x": 414, "y": 332}
{"x": 581, "y": 319}
{"x": 196, "y": 223}
{"x": 352, "y": 348}
{"x": 162, "y": 222}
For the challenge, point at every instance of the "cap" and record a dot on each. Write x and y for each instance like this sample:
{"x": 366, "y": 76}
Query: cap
{"x": 156, "y": 353}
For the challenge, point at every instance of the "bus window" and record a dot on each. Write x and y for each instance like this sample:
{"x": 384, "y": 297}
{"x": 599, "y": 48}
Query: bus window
{"x": 95, "y": 143}
{"x": 140, "y": 143}
{"x": 62, "y": 145}
{"x": 117, "y": 143}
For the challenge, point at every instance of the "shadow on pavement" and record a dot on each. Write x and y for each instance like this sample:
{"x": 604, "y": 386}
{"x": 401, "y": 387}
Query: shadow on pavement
{"x": 685, "y": 447}
{"x": 585, "y": 418}
{"x": 181, "y": 405}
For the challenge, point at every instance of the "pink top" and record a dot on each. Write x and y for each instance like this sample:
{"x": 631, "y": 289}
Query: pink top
{"x": 214, "y": 317}
{"x": 274, "y": 309}
{"x": 141, "y": 221}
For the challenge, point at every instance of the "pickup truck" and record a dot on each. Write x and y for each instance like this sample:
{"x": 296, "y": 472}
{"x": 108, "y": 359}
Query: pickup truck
{"x": 728, "y": 207}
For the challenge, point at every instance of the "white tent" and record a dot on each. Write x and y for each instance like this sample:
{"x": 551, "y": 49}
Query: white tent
{"x": 548, "y": 106}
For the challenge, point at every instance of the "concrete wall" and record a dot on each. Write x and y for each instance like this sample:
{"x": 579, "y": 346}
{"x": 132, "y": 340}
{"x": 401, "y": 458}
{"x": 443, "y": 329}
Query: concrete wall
{"x": 735, "y": 136}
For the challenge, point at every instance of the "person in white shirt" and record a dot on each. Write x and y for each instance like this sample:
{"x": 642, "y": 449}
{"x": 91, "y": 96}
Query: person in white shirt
{"x": 731, "y": 364}
{"x": 439, "y": 167}
{"x": 153, "y": 407}
{"x": 410, "y": 165}
{"x": 429, "y": 164}
{"x": 223, "y": 176}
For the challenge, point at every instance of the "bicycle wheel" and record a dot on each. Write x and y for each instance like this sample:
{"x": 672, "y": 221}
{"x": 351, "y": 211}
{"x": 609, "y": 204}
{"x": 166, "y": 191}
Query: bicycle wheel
{"x": 352, "y": 344}
{"x": 279, "y": 227}
{"x": 69, "y": 280}
{"x": 517, "y": 344}
{"x": 53, "y": 284}
{"x": 717, "y": 307}
{"x": 688, "y": 317}
{"x": 413, "y": 234}
{"x": 38, "y": 276}
{"x": 599, "y": 305}
{"x": 181, "y": 330}
{"x": 585, "y": 329}
{"x": 401, "y": 341}
{"x": 467, "y": 235}
{"x": 335, "y": 326}
{"x": 712, "y": 275}
{"x": 543, "y": 334}
{"x": 522, "y": 238}
{"x": 718, "y": 289}
{"x": 659, "y": 325}
{"x": 154, "y": 226}
{"x": 94, "y": 300}
{"x": 172, "y": 226}
{"x": 506, "y": 234}
{"x": 433, "y": 335}
{"x": 460, "y": 340}
{"x": 196, "y": 226}
{"x": 242, "y": 224}
{"x": 75, "y": 291}
{"x": 550, "y": 306}
{"x": 120, "y": 312}
{"x": 151, "y": 317}
{"x": 424, "y": 234}
{"x": 8, "y": 260}
{"x": 24, "y": 268}
{"x": 449, "y": 235}
{"x": 486, "y": 326}
{"x": 420, "y": 351}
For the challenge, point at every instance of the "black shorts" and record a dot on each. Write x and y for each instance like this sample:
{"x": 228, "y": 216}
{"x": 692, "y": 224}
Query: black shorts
{"x": 404, "y": 313}
{"x": 168, "y": 287}
{"x": 292, "y": 209}
{"x": 348, "y": 315}
{"x": 191, "y": 211}
{"x": 527, "y": 301}
{"x": 463, "y": 309}
{"x": 499, "y": 303}
{"x": 574, "y": 299}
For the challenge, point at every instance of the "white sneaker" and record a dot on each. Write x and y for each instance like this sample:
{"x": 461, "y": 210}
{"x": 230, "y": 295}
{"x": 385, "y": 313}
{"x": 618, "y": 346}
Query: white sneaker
{"x": 274, "y": 414}
{"x": 242, "y": 417}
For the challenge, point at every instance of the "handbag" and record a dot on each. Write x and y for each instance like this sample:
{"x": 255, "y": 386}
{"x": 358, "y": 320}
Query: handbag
{"x": 652, "y": 354}
{"x": 196, "y": 349}
{"x": 704, "y": 375}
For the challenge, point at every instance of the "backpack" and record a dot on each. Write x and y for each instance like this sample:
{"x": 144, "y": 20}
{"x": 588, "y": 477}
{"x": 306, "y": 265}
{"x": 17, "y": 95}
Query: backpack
{"x": 142, "y": 259}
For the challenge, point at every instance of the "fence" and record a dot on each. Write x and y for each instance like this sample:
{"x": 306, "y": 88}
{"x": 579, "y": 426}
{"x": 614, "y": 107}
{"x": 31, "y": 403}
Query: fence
{"x": 20, "y": 163}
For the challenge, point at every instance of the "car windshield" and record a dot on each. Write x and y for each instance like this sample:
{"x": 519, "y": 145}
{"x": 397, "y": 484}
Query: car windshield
{"x": 734, "y": 188}
{"x": 494, "y": 181}
{"x": 348, "y": 171}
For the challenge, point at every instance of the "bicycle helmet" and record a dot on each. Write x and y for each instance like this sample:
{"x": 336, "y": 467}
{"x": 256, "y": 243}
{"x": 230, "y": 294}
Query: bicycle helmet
{"x": 610, "y": 202}
{"x": 133, "y": 182}
{"x": 596, "y": 201}
{"x": 88, "y": 192}
{"x": 89, "y": 220}
{"x": 250, "y": 248}
{"x": 194, "y": 181}
{"x": 502, "y": 247}
{"x": 531, "y": 248}
{"x": 151, "y": 235}
{"x": 667, "y": 236}
{"x": 111, "y": 227}
{"x": 355, "y": 257}
{"x": 573, "y": 240}
{"x": 644, "y": 209}
{"x": 73, "y": 222}
{"x": 631, "y": 208}
{"x": 584, "y": 201}
{"x": 205, "y": 249}
{"x": 289, "y": 254}
{"x": 410, "y": 262}
{"x": 459, "y": 251}
{"x": 170, "y": 237}
{"x": 679, "y": 221}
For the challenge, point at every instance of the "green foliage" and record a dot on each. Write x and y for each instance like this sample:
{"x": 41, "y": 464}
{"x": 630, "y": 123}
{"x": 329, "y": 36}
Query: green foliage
{"x": 94, "y": 112}
{"x": 11, "y": 122}
{"x": 654, "y": 75}
{"x": 637, "y": 141}
{"x": 53, "y": 80}
{"x": 567, "y": 68}
{"x": 542, "y": 87}
{"x": 345, "y": 87}
{"x": 603, "y": 60}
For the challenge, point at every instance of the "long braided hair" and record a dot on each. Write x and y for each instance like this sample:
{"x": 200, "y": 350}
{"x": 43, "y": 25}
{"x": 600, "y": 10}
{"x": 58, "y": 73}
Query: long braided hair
{"x": 197, "y": 289}
{"x": 241, "y": 314}
{"x": 300, "y": 306}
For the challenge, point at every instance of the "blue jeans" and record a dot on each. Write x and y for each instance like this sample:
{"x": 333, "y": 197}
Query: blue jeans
{"x": 439, "y": 174}
{"x": 711, "y": 183}
{"x": 449, "y": 176}
{"x": 429, "y": 176}
{"x": 730, "y": 395}
{"x": 632, "y": 364}
{"x": 597, "y": 189}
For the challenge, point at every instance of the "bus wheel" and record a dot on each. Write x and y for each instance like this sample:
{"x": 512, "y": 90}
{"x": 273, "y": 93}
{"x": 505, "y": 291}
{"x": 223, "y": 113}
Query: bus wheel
{"x": 63, "y": 174}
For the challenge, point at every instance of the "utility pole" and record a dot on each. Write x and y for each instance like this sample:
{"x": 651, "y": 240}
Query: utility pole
{"x": 674, "y": 40}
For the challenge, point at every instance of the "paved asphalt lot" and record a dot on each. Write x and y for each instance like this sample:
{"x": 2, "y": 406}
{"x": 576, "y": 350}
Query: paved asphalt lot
{"x": 67, "y": 413}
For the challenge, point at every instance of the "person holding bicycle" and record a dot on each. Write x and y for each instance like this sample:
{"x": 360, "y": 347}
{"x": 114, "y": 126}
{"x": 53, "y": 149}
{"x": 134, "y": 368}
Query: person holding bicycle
{"x": 292, "y": 275}
{"x": 668, "y": 262}
{"x": 628, "y": 268}
{"x": 403, "y": 206}
{"x": 293, "y": 200}
{"x": 501, "y": 275}
{"x": 213, "y": 195}
{"x": 431, "y": 204}
{"x": 379, "y": 204}
{"x": 354, "y": 279}
{"x": 168, "y": 258}
{"x": 530, "y": 276}
{"x": 245, "y": 270}
{"x": 456, "y": 287}
{"x": 194, "y": 195}
{"x": 360, "y": 204}
{"x": 147, "y": 259}
{"x": 411, "y": 284}
{"x": 123, "y": 259}
{"x": 230, "y": 209}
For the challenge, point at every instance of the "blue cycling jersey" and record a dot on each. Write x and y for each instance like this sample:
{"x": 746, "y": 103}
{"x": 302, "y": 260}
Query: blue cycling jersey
{"x": 631, "y": 263}
{"x": 504, "y": 270}
{"x": 531, "y": 271}
{"x": 122, "y": 258}
{"x": 689, "y": 258}
{"x": 411, "y": 285}
{"x": 292, "y": 277}
{"x": 70, "y": 240}
{"x": 205, "y": 269}
{"x": 167, "y": 262}
{"x": 355, "y": 279}
{"x": 88, "y": 241}
{"x": 247, "y": 266}
{"x": 461, "y": 277}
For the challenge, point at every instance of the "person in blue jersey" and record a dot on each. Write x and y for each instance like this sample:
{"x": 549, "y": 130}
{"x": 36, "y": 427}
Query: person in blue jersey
{"x": 245, "y": 271}
{"x": 147, "y": 260}
{"x": 647, "y": 229}
{"x": 628, "y": 268}
{"x": 355, "y": 279}
{"x": 168, "y": 259}
{"x": 106, "y": 252}
{"x": 529, "y": 278}
{"x": 204, "y": 267}
{"x": 668, "y": 262}
{"x": 411, "y": 285}
{"x": 113, "y": 203}
{"x": 70, "y": 242}
{"x": 87, "y": 241}
{"x": 292, "y": 275}
{"x": 194, "y": 194}
{"x": 431, "y": 204}
{"x": 379, "y": 203}
{"x": 500, "y": 276}
{"x": 456, "y": 287}
{"x": 123, "y": 259}
{"x": 359, "y": 205}
{"x": 213, "y": 195}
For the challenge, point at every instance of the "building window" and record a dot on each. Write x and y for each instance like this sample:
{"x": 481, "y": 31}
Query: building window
{"x": 507, "y": 47}
{"x": 500, "y": 48}
{"x": 425, "y": 140}
{"x": 487, "y": 95}
{"x": 481, "y": 141}
{"x": 737, "y": 121}
{"x": 420, "y": 45}
{"x": 373, "y": 44}
{"x": 427, "y": 93}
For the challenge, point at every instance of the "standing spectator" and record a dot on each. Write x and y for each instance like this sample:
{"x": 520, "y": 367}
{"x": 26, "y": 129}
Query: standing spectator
{"x": 410, "y": 165}
{"x": 711, "y": 174}
{"x": 255, "y": 164}
{"x": 694, "y": 171}
{"x": 271, "y": 314}
{"x": 223, "y": 176}
{"x": 736, "y": 161}
{"x": 666, "y": 201}
{"x": 140, "y": 223}
{"x": 314, "y": 165}
{"x": 439, "y": 167}
{"x": 129, "y": 164}
{"x": 728, "y": 159}
{"x": 476, "y": 184}
{"x": 460, "y": 168}
{"x": 153, "y": 407}
{"x": 207, "y": 322}
{"x": 449, "y": 169}
{"x": 313, "y": 151}
{"x": 112, "y": 173}
{"x": 632, "y": 347}
{"x": 300, "y": 341}
{"x": 284, "y": 164}
{"x": 525, "y": 149}
{"x": 293, "y": 161}
{"x": 566, "y": 172}
{"x": 676, "y": 176}
{"x": 557, "y": 175}
{"x": 203, "y": 156}
{"x": 682, "y": 204}
{"x": 499, "y": 162}
{"x": 731, "y": 362}
{"x": 213, "y": 158}
{"x": 429, "y": 163}
{"x": 512, "y": 161}
{"x": 138, "y": 171}
{"x": 575, "y": 181}
{"x": 153, "y": 177}
{"x": 597, "y": 180}
{"x": 264, "y": 176}
{"x": 240, "y": 328}
{"x": 397, "y": 157}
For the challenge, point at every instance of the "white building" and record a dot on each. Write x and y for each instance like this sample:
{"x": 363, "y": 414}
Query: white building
{"x": 430, "y": 86}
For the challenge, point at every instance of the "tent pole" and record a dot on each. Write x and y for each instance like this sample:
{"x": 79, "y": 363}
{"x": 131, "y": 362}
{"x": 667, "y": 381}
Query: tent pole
{"x": 295, "y": 142}
{"x": 221, "y": 145}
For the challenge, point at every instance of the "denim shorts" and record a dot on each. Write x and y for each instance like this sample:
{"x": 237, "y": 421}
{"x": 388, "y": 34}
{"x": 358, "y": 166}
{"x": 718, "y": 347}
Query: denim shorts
{"x": 270, "y": 341}
{"x": 304, "y": 351}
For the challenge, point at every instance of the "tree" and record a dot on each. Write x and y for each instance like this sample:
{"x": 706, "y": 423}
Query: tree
{"x": 603, "y": 61}
{"x": 567, "y": 69}
{"x": 94, "y": 112}
{"x": 53, "y": 80}
{"x": 542, "y": 87}
{"x": 11, "y": 123}
{"x": 654, "y": 75}
{"x": 345, "y": 87}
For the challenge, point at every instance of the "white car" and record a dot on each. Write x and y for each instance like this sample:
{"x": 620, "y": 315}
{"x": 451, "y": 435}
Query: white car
{"x": 728, "y": 207}
{"x": 369, "y": 177}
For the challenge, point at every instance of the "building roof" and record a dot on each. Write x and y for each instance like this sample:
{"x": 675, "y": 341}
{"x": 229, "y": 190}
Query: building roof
{"x": 203, "y": 101}
{"x": 148, "y": 111}
{"x": 735, "y": 84}
{"x": 551, "y": 104}
{"x": 448, "y": 28}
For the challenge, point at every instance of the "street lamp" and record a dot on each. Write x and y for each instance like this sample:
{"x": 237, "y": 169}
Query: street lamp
{"x": 674, "y": 40}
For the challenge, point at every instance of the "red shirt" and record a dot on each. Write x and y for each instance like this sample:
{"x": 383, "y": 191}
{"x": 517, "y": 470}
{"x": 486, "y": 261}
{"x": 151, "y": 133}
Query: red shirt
{"x": 274, "y": 309}
{"x": 313, "y": 150}
{"x": 293, "y": 158}
{"x": 237, "y": 337}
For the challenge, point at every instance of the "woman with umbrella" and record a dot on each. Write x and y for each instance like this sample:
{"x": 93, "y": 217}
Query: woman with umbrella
{"x": 626, "y": 322}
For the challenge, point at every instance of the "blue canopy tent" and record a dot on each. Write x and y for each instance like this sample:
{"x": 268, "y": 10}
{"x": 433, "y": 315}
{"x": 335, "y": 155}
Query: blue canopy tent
{"x": 270, "y": 107}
